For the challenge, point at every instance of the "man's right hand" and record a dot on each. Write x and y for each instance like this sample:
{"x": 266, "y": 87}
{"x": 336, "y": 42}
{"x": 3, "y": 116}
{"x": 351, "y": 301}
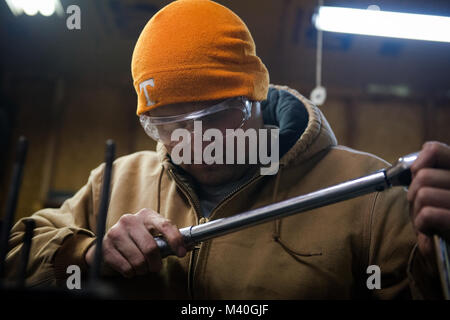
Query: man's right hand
{"x": 129, "y": 247}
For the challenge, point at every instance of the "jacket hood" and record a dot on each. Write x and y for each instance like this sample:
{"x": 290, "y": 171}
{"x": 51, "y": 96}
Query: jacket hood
{"x": 314, "y": 138}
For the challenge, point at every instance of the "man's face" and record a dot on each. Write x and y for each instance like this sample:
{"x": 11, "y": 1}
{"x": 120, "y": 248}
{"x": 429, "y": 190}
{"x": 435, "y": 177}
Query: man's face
{"x": 212, "y": 174}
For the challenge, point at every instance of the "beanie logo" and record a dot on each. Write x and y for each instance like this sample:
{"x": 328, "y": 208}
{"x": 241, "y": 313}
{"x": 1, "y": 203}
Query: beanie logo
{"x": 143, "y": 85}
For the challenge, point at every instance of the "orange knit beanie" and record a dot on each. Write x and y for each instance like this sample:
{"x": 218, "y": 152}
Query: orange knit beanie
{"x": 196, "y": 50}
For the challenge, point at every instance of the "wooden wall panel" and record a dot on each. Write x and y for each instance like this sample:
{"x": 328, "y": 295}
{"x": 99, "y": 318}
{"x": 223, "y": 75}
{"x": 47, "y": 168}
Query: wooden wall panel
{"x": 93, "y": 115}
{"x": 89, "y": 115}
{"x": 442, "y": 117}
{"x": 336, "y": 111}
{"x": 388, "y": 130}
{"x": 33, "y": 101}
{"x": 142, "y": 141}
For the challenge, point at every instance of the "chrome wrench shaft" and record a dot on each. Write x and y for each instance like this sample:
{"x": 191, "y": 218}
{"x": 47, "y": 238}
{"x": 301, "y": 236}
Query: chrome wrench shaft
{"x": 396, "y": 175}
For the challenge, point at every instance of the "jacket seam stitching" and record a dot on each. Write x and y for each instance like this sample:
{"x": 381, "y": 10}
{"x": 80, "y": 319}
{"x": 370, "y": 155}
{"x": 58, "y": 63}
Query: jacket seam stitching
{"x": 370, "y": 227}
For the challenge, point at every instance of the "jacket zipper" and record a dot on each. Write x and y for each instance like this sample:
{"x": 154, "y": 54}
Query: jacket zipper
{"x": 193, "y": 200}
{"x": 196, "y": 204}
{"x": 231, "y": 194}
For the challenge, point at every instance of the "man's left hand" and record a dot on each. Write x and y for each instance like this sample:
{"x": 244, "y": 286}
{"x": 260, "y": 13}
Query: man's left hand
{"x": 429, "y": 195}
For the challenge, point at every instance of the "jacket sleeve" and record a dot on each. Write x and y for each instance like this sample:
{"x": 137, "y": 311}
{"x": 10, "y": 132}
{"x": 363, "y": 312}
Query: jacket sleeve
{"x": 61, "y": 237}
{"x": 393, "y": 247}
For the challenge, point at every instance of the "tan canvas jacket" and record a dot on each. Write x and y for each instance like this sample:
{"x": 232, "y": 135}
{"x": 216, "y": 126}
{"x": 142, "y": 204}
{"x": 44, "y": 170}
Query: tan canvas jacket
{"x": 320, "y": 254}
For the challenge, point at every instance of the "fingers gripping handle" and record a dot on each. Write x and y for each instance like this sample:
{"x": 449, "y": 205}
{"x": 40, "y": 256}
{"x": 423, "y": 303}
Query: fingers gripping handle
{"x": 164, "y": 249}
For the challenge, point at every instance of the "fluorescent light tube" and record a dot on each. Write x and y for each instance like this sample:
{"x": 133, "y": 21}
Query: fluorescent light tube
{"x": 32, "y": 7}
{"x": 383, "y": 23}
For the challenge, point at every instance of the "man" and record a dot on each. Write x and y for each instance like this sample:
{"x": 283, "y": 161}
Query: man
{"x": 195, "y": 60}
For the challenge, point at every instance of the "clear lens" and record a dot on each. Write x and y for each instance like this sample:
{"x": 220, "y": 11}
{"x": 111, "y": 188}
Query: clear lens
{"x": 149, "y": 129}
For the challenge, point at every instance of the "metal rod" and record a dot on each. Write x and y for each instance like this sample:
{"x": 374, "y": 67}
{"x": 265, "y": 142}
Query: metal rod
{"x": 442, "y": 249}
{"x": 398, "y": 174}
{"x": 11, "y": 201}
{"x": 30, "y": 224}
{"x": 347, "y": 190}
{"x": 103, "y": 211}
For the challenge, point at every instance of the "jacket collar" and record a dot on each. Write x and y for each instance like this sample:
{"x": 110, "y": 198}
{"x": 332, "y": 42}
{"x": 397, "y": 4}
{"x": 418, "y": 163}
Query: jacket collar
{"x": 317, "y": 136}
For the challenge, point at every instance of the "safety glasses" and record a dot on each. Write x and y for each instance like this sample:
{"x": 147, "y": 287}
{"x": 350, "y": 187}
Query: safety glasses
{"x": 228, "y": 114}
